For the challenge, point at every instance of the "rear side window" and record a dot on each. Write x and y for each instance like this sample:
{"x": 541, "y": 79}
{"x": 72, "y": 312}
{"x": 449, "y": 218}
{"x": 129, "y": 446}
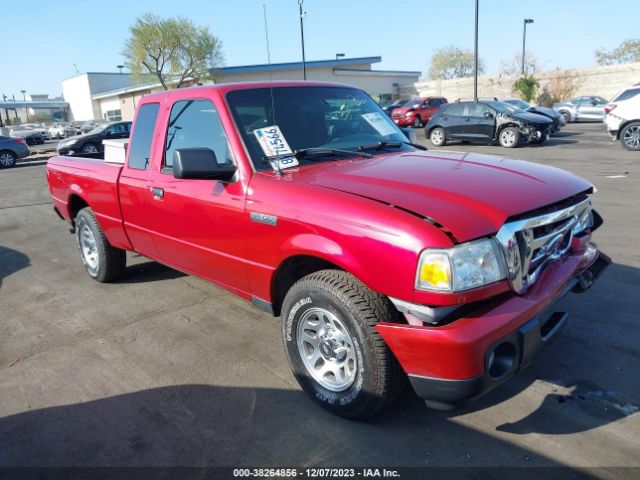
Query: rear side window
{"x": 456, "y": 109}
{"x": 140, "y": 145}
{"x": 196, "y": 124}
{"x": 627, "y": 94}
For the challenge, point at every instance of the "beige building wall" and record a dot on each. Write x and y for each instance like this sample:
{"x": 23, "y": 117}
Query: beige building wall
{"x": 603, "y": 81}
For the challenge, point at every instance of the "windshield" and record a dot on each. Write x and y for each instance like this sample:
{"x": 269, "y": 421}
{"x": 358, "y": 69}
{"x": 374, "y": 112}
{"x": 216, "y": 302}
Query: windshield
{"x": 99, "y": 129}
{"x": 519, "y": 103}
{"x": 310, "y": 117}
{"x": 502, "y": 107}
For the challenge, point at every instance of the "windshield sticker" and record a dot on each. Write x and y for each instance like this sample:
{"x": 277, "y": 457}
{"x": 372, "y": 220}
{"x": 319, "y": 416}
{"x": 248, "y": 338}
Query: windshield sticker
{"x": 377, "y": 121}
{"x": 272, "y": 141}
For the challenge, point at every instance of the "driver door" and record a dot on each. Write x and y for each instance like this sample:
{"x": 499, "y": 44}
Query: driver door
{"x": 199, "y": 225}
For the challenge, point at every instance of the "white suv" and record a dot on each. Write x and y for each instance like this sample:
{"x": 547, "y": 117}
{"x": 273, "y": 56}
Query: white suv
{"x": 622, "y": 117}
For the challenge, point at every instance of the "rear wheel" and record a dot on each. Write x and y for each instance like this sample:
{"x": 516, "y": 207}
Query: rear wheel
{"x": 332, "y": 345}
{"x": 102, "y": 261}
{"x": 437, "y": 137}
{"x": 7, "y": 159}
{"x": 509, "y": 137}
{"x": 630, "y": 136}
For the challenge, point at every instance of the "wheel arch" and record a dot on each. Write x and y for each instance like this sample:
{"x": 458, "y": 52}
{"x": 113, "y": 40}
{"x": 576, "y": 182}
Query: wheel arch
{"x": 74, "y": 205}
{"x": 624, "y": 125}
{"x": 292, "y": 269}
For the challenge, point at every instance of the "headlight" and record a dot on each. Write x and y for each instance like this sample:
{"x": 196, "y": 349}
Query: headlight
{"x": 463, "y": 267}
{"x": 408, "y": 114}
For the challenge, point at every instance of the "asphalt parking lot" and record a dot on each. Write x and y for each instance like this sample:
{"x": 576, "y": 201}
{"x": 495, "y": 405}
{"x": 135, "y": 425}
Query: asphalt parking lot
{"x": 165, "y": 369}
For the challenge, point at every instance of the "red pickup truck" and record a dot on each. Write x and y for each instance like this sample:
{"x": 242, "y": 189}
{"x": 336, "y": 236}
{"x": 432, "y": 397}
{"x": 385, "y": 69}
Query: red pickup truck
{"x": 385, "y": 261}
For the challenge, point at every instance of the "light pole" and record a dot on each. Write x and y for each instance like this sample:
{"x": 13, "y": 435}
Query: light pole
{"x": 475, "y": 58}
{"x": 304, "y": 63}
{"x": 339, "y": 55}
{"x": 524, "y": 39}
{"x": 24, "y": 99}
{"x": 120, "y": 67}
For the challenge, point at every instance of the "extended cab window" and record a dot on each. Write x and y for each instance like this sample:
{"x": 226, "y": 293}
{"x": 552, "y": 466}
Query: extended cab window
{"x": 196, "y": 124}
{"x": 140, "y": 145}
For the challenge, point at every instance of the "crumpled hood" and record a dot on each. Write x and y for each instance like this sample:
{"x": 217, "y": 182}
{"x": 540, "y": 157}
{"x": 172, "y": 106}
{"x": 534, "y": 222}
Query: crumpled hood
{"x": 469, "y": 194}
{"x": 528, "y": 117}
{"x": 549, "y": 112}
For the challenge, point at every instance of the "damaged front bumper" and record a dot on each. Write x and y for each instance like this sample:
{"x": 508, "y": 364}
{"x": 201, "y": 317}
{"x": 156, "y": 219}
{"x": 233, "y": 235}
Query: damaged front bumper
{"x": 451, "y": 363}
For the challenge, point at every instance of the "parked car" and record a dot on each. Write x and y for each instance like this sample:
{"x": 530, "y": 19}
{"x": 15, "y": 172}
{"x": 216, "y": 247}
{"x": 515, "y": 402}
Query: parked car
{"x": 487, "y": 122}
{"x": 382, "y": 260}
{"x": 12, "y": 149}
{"x": 31, "y": 136}
{"x": 389, "y": 108}
{"x": 623, "y": 120}
{"x": 61, "y": 130}
{"x": 86, "y": 127}
{"x": 582, "y": 109}
{"x": 38, "y": 128}
{"x": 417, "y": 111}
{"x": 91, "y": 143}
{"x": 556, "y": 118}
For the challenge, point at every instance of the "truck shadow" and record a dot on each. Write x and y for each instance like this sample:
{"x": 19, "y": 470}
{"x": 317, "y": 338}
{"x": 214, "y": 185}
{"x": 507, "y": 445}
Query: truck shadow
{"x": 149, "y": 271}
{"x": 11, "y": 261}
{"x": 200, "y": 425}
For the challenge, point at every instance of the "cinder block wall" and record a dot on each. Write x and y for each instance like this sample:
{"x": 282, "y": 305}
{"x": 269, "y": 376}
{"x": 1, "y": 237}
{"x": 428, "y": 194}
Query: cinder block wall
{"x": 603, "y": 81}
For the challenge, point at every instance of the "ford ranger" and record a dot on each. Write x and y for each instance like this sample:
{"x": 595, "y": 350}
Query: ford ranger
{"x": 385, "y": 261}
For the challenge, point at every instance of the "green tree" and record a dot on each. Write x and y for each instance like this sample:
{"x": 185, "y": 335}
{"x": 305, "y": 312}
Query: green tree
{"x": 526, "y": 86}
{"x": 174, "y": 50}
{"x": 627, "y": 52}
{"x": 453, "y": 62}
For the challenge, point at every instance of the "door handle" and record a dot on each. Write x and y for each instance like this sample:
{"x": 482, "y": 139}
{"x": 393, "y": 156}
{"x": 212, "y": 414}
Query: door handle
{"x": 157, "y": 193}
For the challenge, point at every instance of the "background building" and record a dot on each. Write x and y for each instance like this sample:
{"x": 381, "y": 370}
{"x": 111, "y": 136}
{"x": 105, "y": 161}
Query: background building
{"x": 34, "y": 108}
{"x": 114, "y": 96}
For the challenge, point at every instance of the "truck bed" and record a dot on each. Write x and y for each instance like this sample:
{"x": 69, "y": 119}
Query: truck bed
{"x": 75, "y": 182}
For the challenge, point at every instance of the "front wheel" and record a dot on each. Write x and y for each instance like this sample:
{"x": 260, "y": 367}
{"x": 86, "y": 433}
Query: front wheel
{"x": 102, "y": 261}
{"x": 89, "y": 148}
{"x": 509, "y": 137}
{"x": 333, "y": 348}
{"x": 437, "y": 137}
{"x": 630, "y": 136}
{"x": 566, "y": 116}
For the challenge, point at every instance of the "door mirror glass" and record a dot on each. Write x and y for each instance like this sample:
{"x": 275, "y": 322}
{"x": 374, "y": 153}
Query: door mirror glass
{"x": 487, "y": 115}
{"x": 200, "y": 164}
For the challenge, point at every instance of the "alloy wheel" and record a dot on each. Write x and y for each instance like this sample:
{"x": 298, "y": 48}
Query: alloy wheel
{"x": 326, "y": 349}
{"x": 632, "y": 137}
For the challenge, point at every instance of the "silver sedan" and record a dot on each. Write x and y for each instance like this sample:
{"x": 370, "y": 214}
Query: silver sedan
{"x": 582, "y": 109}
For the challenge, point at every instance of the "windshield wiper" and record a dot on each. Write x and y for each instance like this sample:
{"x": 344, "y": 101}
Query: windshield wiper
{"x": 309, "y": 153}
{"x": 389, "y": 144}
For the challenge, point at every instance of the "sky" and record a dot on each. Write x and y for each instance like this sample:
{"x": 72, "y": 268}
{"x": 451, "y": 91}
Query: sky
{"x": 40, "y": 50}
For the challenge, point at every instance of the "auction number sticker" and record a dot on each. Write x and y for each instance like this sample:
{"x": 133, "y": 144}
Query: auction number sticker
{"x": 273, "y": 144}
{"x": 381, "y": 124}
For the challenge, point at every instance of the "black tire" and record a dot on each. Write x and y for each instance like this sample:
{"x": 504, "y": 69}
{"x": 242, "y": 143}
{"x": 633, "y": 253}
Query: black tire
{"x": 566, "y": 115}
{"x": 89, "y": 148}
{"x": 111, "y": 262}
{"x": 629, "y": 136}
{"x": 378, "y": 378}
{"x": 417, "y": 122}
{"x": 7, "y": 159}
{"x": 509, "y": 137}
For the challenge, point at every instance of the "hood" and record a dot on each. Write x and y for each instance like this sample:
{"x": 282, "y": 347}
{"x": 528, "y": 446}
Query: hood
{"x": 471, "y": 195}
{"x": 401, "y": 110}
{"x": 549, "y": 112}
{"x": 527, "y": 117}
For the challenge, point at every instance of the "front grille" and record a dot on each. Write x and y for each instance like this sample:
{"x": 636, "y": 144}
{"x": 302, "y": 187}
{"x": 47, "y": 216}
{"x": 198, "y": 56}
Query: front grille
{"x": 531, "y": 243}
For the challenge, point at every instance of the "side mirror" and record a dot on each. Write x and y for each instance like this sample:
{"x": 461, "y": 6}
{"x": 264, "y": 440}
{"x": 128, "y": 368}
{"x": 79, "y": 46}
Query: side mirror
{"x": 200, "y": 164}
{"x": 487, "y": 115}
